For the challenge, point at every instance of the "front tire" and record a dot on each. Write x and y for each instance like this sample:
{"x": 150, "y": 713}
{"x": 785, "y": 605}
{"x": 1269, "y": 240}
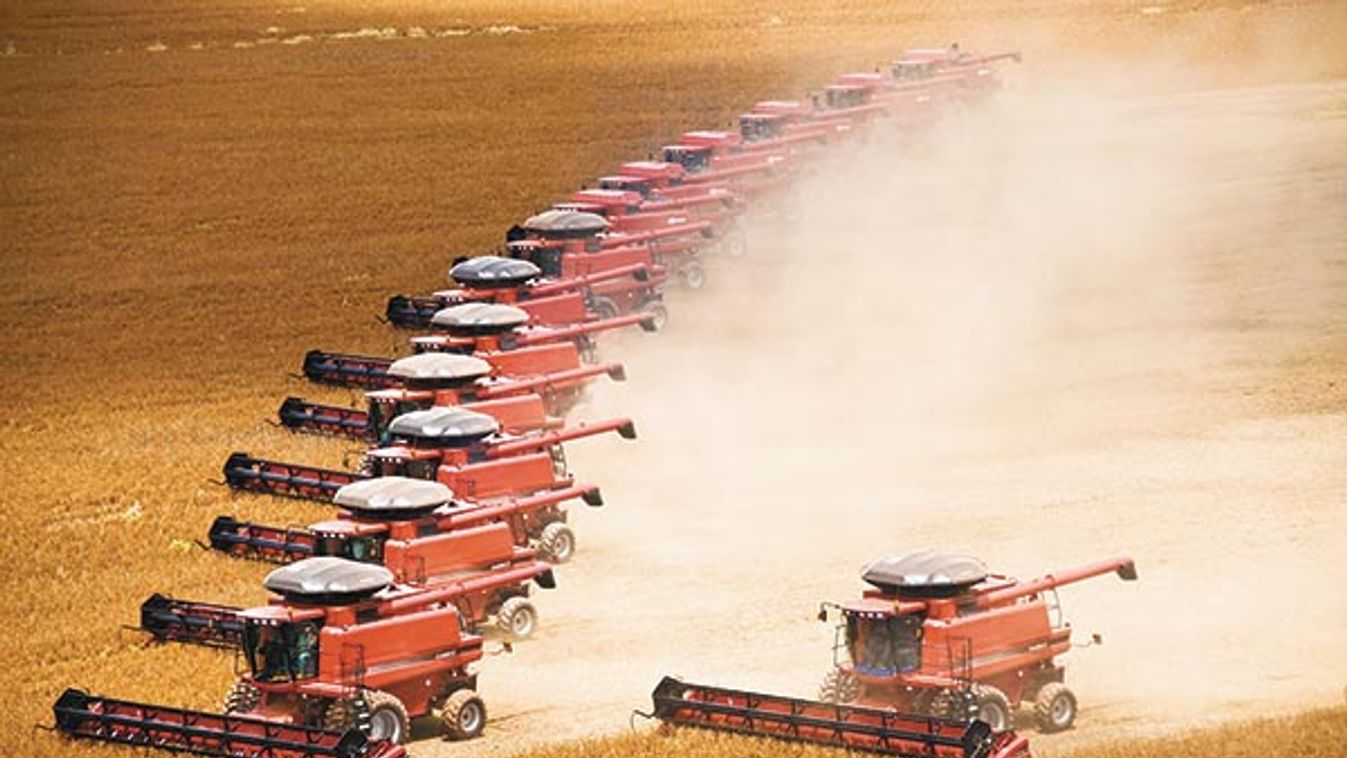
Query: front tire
{"x": 242, "y": 697}
{"x": 464, "y": 715}
{"x": 1055, "y": 708}
{"x": 839, "y": 686}
{"x": 658, "y": 313}
{"x": 387, "y": 717}
{"x": 993, "y": 706}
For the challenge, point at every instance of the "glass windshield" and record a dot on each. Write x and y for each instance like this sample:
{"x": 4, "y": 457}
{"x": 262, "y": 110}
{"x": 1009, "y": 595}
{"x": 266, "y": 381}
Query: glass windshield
{"x": 281, "y": 653}
{"x": 382, "y": 411}
{"x": 884, "y": 646}
{"x": 361, "y": 549}
{"x": 420, "y": 468}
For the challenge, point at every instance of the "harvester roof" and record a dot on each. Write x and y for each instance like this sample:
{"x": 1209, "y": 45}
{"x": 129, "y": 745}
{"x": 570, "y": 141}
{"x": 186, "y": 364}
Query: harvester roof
{"x": 328, "y": 581}
{"x": 480, "y": 317}
{"x": 439, "y": 366}
{"x": 653, "y": 169}
{"x": 925, "y": 574}
{"x": 565, "y": 223}
{"x": 393, "y": 497}
{"x": 450, "y": 425}
{"x": 493, "y": 271}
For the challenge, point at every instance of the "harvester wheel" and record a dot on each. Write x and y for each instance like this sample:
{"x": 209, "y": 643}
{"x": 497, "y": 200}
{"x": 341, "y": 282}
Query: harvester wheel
{"x": 839, "y": 686}
{"x": 387, "y": 717}
{"x": 242, "y": 697}
{"x": 517, "y": 617}
{"x": 658, "y": 313}
{"x": 993, "y": 706}
{"x": 603, "y": 307}
{"x": 692, "y": 275}
{"x": 557, "y": 542}
{"x": 464, "y": 715}
{"x": 1055, "y": 708}
{"x": 340, "y": 715}
{"x": 734, "y": 244}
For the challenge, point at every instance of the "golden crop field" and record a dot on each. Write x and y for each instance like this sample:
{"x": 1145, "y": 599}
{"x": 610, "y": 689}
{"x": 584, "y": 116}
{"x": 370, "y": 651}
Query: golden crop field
{"x": 195, "y": 193}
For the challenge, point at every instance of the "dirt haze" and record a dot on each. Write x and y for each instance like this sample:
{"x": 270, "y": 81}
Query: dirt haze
{"x": 1103, "y": 313}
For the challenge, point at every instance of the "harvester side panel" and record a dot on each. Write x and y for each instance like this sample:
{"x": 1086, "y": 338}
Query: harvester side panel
{"x": 83, "y": 716}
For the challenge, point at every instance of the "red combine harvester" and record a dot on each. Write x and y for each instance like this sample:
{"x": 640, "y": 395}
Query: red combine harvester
{"x": 568, "y": 243}
{"x": 456, "y": 447}
{"x": 549, "y": 302}
{"x": 495, "y": 333}
{"x": 340, "y": 647}
{"x": 939, "y": 629}
{"x": 719, "y": 157}
{"x": 872, "y": 730}
{"x": 410, "y": 541}
{"x": 414, "y": 529}
{"x": 772, "y": 119}
{"x": 973, "y": 73}
{"x": 520, "y": 404}
{"x": 627, "y": 212}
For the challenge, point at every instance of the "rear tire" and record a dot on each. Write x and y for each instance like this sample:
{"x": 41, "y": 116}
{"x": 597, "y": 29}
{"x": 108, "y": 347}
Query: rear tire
{"x": 242, "y": 697}
{"x": 464, "y": 715}
{"x": 517, "y": 617}
{"x": 1055, "y": 708}
{"x": 658, "y": 312}
{"x": 692, "y": 275}
{"x": 603, "y": 307}
{"x": 839, "y": 686}
{"x": 993, "y": 706}
{"x": 387, "y": 717}
{"x": 557, "y": 543}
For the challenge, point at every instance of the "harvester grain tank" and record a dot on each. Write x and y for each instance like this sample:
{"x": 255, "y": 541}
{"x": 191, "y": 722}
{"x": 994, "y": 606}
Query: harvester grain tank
{"x": 521, "y": 404}
{"x": 936, "y": 626}
{"x": 457, "y": 447}
{"x": 498, "y": 334}
{"x": 548, "y": 301}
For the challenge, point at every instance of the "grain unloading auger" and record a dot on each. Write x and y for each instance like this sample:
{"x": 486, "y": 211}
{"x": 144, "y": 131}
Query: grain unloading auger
{"x": 81, "y": 715}
{"x": 419, "y": 532}
{"x": 520, "y": 403}
{"x": 876, "y": 730}
{"x": 456, "y": 447}
{"x": 339, "y": 646}
{"x": 548, "y": 301}
{"x": 495, "y": 333}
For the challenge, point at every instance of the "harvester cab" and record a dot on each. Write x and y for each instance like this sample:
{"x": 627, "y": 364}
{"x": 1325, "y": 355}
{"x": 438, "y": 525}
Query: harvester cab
{"x": 940, "y": 634}
{"x": 758, "y": 127}
{"x": 694, "y": 159}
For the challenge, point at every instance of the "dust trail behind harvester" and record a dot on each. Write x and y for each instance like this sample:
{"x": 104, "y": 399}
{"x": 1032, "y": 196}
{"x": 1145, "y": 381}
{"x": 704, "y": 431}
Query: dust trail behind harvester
{"x": 1061, "y": 326}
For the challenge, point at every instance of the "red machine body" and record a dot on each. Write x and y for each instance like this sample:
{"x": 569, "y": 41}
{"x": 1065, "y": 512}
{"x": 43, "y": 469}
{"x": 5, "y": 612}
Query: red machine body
{"x": 915, "y": 646}
{"x": 720, "y": 157}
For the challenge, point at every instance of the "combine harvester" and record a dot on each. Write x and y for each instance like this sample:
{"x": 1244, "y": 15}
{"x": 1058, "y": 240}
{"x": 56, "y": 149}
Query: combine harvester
{"x": 340, "y": 647}
{"x": 548, "y": 301}
{"x": 520, "y": 404}
{"x": 413, "y": 527}
{"x": 569, "y": 243}
{"x": 931, "y": 662}
{"x": 628, "y": 212}
{"x": 456, "y": 447}
{"x": 495, "y": 333}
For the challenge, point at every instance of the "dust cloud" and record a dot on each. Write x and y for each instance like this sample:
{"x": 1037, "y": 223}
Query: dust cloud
{"x": 1068, "y": 323}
